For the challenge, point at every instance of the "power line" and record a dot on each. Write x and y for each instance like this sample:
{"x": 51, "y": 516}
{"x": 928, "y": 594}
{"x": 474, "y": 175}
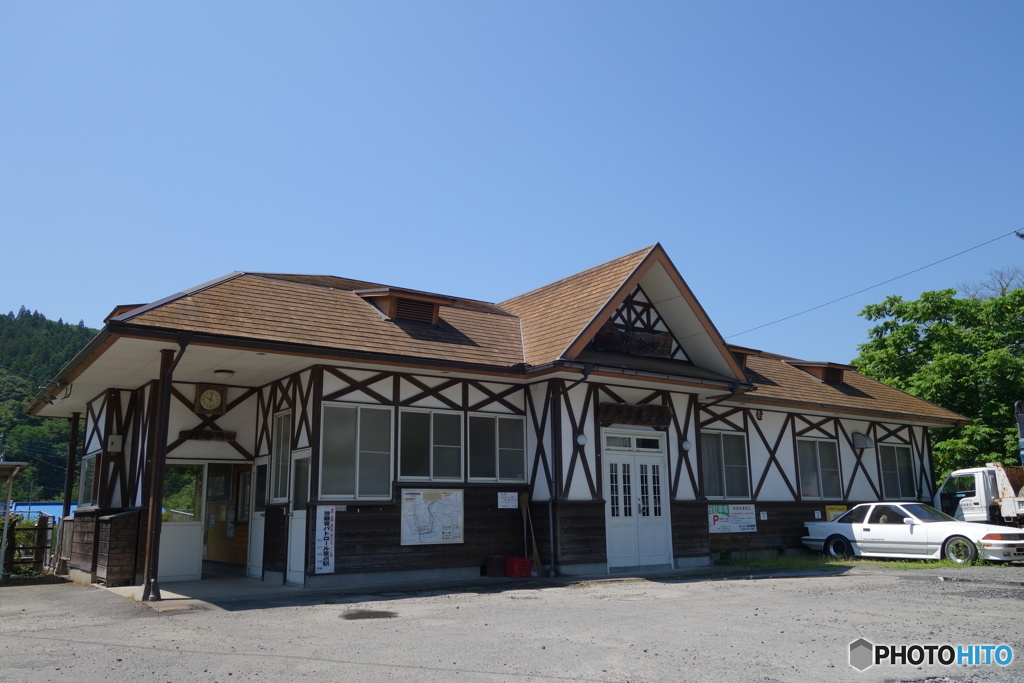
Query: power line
{"x": 1018, "y": 233}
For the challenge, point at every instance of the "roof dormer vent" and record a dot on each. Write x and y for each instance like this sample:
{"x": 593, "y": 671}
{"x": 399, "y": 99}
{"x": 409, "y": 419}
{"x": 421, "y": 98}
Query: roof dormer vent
{"x": 832, "y": 373}
{"x": 408, "y": 305}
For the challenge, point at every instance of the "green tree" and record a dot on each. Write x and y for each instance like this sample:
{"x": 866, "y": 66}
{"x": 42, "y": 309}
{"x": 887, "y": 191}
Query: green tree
{"x": 964, "y": 354}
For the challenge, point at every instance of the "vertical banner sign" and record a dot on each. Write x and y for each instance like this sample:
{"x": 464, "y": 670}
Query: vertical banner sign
{"x": 323, "y": 560}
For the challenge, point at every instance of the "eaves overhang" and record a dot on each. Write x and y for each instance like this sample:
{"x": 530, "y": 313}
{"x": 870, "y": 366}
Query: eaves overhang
{"x": 898, "y": 416}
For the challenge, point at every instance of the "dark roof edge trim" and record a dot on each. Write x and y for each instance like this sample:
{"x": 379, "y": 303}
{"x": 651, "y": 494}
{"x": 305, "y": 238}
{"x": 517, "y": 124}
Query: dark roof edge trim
{"x": 128, "y": 315}
{"x": 903, "y": 417}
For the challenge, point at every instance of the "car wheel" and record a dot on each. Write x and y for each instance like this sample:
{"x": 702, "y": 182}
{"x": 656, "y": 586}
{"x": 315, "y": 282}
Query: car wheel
{"x": 838, "y": 547}
{"x": 960, "y": 550}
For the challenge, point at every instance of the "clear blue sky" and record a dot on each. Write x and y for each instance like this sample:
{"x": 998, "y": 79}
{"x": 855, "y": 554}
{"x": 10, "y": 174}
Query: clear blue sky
{"x": 784, "y": 153}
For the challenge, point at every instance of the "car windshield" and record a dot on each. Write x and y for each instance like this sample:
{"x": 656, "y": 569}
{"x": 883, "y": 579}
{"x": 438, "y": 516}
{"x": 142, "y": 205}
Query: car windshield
{"x": 926, "y": 513}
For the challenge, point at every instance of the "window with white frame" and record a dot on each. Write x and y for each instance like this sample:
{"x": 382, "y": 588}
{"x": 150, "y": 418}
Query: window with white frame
{"x": 724, "y": 464}
{"x": 87, "y": 480}
{"x": 497, "y": 448}
{"x": 355, "y": 454}
{"x": 634, "y": 443}
{"x": 430, "y": 445}
{"x": 819, "y": 469}
{"x": 280, "y": 453}
{"x": 897, "y": 471}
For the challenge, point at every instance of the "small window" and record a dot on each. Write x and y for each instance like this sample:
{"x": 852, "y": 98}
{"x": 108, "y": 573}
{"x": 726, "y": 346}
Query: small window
{"x": 355, "y": 459}
{"x": 280, "y": 454}
{"x": 819, "y": 469}
{"x": 87, "y": 481}
{"x": 633, "y": 442}
{"x": 497, "y": 448}
{"x": 430, "y": 445}
{"x": 897, "y": 471}
{"x": 725, "y": 468}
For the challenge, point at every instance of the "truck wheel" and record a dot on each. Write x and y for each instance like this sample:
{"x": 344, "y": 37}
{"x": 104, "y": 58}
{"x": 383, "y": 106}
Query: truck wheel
{"x": 838, "y": 547}
{"x": 960, "y": 550}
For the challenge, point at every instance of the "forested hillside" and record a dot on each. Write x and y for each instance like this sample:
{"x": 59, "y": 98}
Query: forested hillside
{"x": 32, "y": 350}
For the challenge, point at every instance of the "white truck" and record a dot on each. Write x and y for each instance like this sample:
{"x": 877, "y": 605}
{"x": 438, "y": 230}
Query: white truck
{"x": 993, "y": 494}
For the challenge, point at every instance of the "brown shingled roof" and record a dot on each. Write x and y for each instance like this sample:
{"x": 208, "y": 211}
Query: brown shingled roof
{"x": 553, "y": 316}
{"x": 779, "y": 381}
{"x": 323, "y": 312}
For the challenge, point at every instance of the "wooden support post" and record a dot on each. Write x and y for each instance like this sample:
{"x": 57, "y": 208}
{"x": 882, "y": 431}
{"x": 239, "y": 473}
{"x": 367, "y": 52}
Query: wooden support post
{"x": 69, "y": 476}
{"x": 168, "y": 361}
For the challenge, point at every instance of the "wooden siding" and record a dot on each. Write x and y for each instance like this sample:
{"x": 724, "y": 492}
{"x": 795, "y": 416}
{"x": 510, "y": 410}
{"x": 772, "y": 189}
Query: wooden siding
{"x": 782, "y": 530}
{"x": 115, "y": 548}
{"x": 83, "y": 540}
{"x": 369, "y": 537}
{"x": 690, "y": 529}
{"x": 580, "y": 532}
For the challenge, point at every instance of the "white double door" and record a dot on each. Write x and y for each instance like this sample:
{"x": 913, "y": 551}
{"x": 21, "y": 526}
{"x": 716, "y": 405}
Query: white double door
{"x": 637, "y": 510}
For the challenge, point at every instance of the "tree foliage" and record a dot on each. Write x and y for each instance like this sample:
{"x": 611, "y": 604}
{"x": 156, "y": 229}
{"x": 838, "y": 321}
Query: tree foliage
{"x": 32, "y": 350}
{"x": 964, "y": 354}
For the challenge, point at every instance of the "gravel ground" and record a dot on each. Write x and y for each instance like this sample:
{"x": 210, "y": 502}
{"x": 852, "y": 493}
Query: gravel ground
{"x": 711, "y": 628}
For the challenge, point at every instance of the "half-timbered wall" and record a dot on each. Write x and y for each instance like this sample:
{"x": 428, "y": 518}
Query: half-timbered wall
{"x": 580, "y": 474}
{"x": 774, "y": 469}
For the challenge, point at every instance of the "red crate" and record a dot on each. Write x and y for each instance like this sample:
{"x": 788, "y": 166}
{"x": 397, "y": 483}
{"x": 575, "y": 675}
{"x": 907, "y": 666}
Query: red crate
{"x": 517, "y": 567}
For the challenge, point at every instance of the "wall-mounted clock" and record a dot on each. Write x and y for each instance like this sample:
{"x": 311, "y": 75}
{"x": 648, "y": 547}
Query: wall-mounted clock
{"x": 211, "y": 399}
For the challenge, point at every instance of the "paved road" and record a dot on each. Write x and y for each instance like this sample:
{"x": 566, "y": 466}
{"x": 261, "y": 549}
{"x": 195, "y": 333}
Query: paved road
{"x": 709, "y": 628}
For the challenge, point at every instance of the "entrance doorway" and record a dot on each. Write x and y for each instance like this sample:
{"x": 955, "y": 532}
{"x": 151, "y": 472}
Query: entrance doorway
{"x": 638, "y": 525}
{"x": 258, "y": 518}
{"x": 299, "y": 496}
{"x": 181, "y": 531}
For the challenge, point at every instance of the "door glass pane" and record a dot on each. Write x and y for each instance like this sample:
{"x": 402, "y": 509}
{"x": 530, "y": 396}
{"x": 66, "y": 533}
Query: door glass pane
{"x": 613, "y": 488}
{"x": 338, "y": 454}
{"x": 183, "y": 493}
{"x": 627, "y": 491}
{"x": 656, "y": 489}
{"x": 645, "y": 492}
{"x": 300, "y": 486}
{"x": 259, "y": 502}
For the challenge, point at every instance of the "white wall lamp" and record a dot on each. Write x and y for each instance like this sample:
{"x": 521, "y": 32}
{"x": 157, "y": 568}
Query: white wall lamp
{"x": 581, "y": 439}
{"x": 685, "y": 445}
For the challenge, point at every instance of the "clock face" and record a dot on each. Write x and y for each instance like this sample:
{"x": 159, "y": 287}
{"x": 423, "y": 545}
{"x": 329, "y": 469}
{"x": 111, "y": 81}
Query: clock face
{"x": 210, "y": 399}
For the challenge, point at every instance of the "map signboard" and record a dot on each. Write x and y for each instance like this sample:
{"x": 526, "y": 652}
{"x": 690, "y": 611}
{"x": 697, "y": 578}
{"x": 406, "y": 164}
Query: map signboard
{"x": 431, "y": 516}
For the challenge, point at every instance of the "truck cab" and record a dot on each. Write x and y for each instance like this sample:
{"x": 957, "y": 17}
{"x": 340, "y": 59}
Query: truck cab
{"x": 968, "y": 494}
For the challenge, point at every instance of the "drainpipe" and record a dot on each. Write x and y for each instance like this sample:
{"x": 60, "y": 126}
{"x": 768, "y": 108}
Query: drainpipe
{"x": 168, "y": 361}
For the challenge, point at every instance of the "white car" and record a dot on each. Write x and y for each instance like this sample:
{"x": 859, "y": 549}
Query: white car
{"x": 914, "y": 531}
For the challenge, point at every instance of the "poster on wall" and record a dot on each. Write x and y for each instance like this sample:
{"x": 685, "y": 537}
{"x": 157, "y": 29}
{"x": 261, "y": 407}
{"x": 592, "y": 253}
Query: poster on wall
{"x": 508, "y": 500}
{"x": 731, "y": 519}
{"x": 431, "y": 516}
{"x": 323, "y": 559}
